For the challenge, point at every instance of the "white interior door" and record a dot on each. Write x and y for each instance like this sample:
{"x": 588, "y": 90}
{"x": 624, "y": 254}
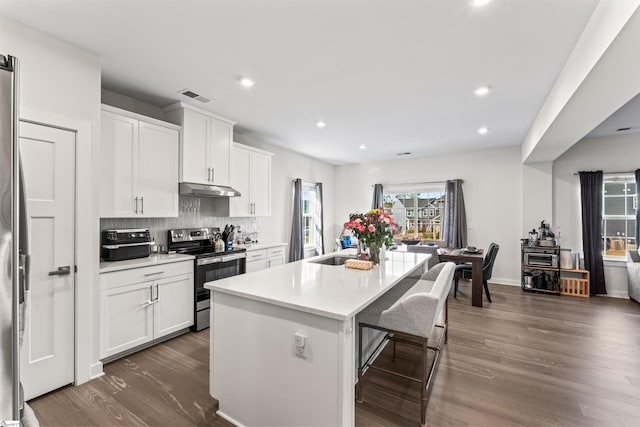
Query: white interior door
{"x": 47, "y": 354}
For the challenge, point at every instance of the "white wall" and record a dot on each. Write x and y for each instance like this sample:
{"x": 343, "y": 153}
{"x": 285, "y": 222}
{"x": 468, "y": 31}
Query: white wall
{"x": 285, "y": 167}
{"x": 60, "y": 86}
{"x": 609, "y": 154}
{"x": 492, "y": 191}
{"x": 131, "y": 104}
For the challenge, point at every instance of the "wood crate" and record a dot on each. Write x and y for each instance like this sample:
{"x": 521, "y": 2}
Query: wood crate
{"x": 575, "y": 286}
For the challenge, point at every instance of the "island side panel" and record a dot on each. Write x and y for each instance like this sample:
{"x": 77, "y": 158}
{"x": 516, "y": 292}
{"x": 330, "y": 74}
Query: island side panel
{"x": 259, "y": 380}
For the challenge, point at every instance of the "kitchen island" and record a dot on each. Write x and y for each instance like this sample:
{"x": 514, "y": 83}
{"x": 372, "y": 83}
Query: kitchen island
{"x": 283, "y": 341}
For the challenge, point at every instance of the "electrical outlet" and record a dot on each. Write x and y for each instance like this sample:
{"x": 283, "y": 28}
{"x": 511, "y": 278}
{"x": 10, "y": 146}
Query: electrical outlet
{"x": 299, "y": 340}
{"x": 300, "y": 345}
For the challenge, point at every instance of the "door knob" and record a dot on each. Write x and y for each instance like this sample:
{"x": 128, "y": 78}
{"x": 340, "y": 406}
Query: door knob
{"x": 61, "y": 271}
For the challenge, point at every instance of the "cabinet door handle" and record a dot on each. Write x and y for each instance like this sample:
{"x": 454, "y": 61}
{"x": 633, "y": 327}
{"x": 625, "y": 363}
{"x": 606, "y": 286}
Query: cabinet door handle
{"x": 213, "y": 175}
{"x": 136, "y": 201}
{"x": 209, "y": 174}
{"x": 154, "y": 273}
{"x": 148, "y": 302}
{"x": 155, "y": 286}
{"x": 142, "y": 205}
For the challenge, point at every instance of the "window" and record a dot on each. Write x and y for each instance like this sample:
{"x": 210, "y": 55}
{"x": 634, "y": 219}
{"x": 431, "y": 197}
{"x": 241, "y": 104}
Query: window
{"x": 417, "y": 209}
{"x": 308, "y": 215}
{"x": 619, "y": 205}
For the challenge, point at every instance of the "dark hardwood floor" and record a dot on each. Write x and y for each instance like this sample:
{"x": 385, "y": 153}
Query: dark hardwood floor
{"x": 524, "y": 360}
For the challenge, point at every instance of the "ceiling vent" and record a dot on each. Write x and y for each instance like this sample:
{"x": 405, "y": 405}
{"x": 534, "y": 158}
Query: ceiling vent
{"x": 623, "y": 129}
{"x": 191, "y": 94}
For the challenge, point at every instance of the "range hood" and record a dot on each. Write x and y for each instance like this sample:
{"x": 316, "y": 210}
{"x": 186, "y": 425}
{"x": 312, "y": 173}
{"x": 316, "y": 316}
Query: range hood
{"x": 204, "y": 190}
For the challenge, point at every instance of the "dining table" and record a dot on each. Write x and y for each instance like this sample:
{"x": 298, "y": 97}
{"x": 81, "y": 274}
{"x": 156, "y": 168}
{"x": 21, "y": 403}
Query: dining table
{"x": 475, "y": 259}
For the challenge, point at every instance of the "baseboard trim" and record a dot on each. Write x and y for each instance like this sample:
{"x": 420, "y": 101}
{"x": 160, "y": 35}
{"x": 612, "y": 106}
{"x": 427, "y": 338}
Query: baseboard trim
{"x": 615, "y": 294}
{"x": 228, "y": 418}
{"x": 96, "y": 370}
{"x": 501, "y": 281}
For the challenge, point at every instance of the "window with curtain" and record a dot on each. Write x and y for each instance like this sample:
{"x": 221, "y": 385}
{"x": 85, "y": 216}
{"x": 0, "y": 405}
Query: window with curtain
{"x": 310, "y": 211}
{"x": 418, "y": 209}
{"x": 619, "y": 207}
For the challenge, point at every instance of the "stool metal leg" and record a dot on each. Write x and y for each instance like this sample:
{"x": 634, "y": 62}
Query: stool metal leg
{"x": 425, "y": 374}
{"x": 446, "y": 320}
{"x": 359, "y": 386}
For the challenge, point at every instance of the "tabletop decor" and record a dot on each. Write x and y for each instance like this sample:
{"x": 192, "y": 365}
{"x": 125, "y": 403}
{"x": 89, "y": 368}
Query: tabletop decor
{"x": 373, "y": 229}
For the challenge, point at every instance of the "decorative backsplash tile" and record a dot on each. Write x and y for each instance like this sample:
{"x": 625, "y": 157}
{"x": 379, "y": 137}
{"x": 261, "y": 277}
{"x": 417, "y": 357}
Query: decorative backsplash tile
{"x": 193, "y": 212}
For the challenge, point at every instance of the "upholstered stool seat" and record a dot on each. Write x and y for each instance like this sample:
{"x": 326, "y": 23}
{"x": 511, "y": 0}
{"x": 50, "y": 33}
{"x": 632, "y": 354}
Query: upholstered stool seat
{"x": 408, "y": 314}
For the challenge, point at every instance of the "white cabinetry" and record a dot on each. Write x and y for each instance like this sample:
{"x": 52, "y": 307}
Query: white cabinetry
{"x": 204, "y": 146}
{"x": 251, "y": 176}
{"x": 142, "y": 304}
{"x": 256, "y": 260}
{"x": 139, "y": 166}
{"x": 259, "y": 259}
{"x": 275, "y": 256}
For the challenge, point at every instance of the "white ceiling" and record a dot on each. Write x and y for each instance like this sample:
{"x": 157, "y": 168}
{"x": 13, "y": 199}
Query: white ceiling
{"x": 397, "y": 76}
{"x": 628, "y": 116}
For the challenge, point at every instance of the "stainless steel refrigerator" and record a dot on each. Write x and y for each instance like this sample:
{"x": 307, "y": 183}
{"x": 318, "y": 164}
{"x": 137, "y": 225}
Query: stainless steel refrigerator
{"x": 13, "y": 246}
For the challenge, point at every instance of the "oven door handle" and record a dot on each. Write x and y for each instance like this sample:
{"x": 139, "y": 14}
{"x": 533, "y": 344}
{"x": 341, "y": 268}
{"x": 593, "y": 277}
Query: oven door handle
{"x": 215, "y": 260}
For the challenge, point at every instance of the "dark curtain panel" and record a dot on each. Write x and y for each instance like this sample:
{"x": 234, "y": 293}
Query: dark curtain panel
{"x": 455, "y": 216}
{"x": 296, "y": 246}
{"x": 637, "y": 210}
{"x": 319, "y": 220}
{"x": 591, "y": 196}
{"x": 377, "y": 196}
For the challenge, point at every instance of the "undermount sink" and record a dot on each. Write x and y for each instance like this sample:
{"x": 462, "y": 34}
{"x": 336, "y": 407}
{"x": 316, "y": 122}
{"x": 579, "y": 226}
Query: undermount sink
{"x": 334, "y": 260}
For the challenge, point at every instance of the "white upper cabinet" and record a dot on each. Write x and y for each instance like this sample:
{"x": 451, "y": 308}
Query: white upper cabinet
{"x": 139, "y": 166}
{"x": 205, "y": 144}
{"x": 251, "y": 176}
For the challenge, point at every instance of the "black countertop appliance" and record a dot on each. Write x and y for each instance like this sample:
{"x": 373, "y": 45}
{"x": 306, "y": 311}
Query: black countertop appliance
{"x": 118, "y": 245}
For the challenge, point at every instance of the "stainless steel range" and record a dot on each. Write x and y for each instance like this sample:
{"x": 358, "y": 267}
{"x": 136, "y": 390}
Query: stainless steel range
{"x": 209, "y": 265}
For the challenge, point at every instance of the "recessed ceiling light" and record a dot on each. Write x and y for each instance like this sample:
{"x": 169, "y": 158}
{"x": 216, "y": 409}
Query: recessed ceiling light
{"x": 246, "y": 82}
{"x": 479, "y": 3}
{"x": 483, "y": 130}
{"x": 320, "y": 124}
{"x": 363, "y": 147}
{"x": 482, "y": 90}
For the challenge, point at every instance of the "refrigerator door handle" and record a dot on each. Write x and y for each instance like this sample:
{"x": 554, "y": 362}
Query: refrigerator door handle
{"x": 25, "y": 270}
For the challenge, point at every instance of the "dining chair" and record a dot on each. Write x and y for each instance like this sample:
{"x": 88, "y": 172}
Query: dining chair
{"x": 464, "y": 271}
{"x": 432, "y": 250}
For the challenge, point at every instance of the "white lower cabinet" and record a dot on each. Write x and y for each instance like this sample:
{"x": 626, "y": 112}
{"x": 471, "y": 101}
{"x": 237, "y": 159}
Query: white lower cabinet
{"x": 174, "y": 309}
{"x": 256, "y": 260}
{"x": 275, "y": 256}
{"x": 132, "y": 314}
{"x": 259, "y": 259}
{"x": 127, "y": 318}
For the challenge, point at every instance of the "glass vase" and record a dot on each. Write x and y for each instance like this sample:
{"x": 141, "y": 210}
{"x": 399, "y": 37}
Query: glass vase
{"x": 374, "y": 253}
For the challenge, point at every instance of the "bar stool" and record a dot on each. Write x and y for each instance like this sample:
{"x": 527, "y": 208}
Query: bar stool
{"x": 409, "y": 318}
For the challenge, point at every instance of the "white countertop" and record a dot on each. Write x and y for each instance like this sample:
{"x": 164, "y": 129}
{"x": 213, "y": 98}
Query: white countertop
{"x": 326, "y": 290}
{"x": 257, "y": 246}
{"x": 107, "y": 266}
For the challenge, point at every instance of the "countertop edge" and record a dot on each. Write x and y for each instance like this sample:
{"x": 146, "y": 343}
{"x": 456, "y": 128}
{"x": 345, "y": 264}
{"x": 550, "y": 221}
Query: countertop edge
{"x": 341, "y": 316}
{"x": 259, "y": 246}
{"x": 111, "y": 266}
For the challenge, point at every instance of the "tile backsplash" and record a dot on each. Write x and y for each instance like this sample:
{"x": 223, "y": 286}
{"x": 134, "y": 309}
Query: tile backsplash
{"x": 193, "y": 212}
